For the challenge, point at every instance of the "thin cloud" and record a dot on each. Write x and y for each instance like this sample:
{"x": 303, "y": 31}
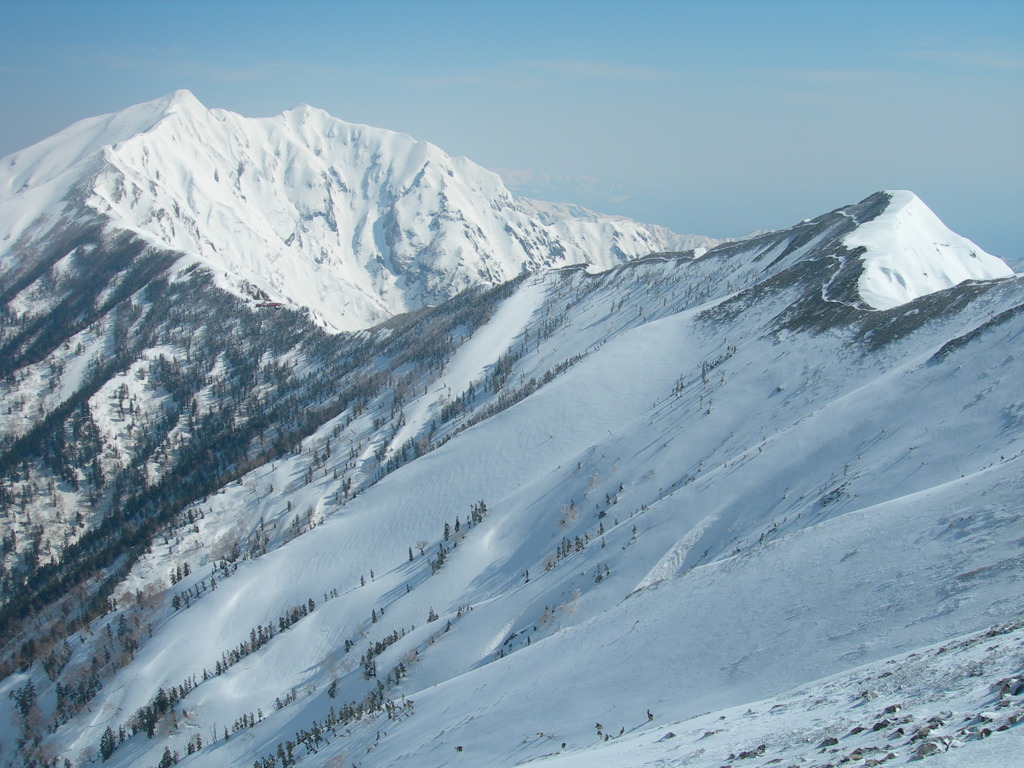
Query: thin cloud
{"x": 832, "y": 81}
{"x": 832, "y": 76}
{"x": 176, "y": 60}
{"x": 536, "y": 73}
{"x": 985, "y": 56}
{"x": 602, "y": 70}
{"x": 492, "y": 79}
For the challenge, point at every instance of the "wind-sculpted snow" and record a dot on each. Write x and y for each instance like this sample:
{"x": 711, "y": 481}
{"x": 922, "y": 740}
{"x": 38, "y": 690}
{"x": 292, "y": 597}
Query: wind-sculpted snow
{"x": 354, "y": 223}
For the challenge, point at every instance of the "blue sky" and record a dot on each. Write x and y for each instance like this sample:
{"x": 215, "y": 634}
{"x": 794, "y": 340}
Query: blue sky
{"x": 709, "y": 117}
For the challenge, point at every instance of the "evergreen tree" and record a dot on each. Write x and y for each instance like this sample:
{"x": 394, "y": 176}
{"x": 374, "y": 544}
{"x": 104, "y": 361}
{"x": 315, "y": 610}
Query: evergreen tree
{"x": 107, "y": 744}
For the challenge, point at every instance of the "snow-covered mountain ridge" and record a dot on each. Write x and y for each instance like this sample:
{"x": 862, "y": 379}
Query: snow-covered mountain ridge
{"x": 765, "y": 498}
{"x": 695, "y": 502}
{"x": 357, "y": 224}
{"x": 354, "y": 223}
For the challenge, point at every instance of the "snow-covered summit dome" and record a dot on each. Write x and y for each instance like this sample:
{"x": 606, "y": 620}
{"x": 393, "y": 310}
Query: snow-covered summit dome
{"x": 911, "y": 253}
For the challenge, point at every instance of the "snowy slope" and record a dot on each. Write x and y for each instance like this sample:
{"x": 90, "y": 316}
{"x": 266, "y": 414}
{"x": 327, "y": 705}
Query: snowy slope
{"x": 719, "y": 493}
{"x": 712, "y": 484}
{"x": 943, "y": 702}
{"x": 352, "y": 222}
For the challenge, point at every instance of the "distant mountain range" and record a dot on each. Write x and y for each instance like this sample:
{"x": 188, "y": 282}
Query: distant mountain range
{"x": 318, "y": 448}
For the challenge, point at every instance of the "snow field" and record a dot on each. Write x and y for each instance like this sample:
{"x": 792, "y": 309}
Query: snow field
{"x": 695, "y": 510}
{"x": 852, "y": 575}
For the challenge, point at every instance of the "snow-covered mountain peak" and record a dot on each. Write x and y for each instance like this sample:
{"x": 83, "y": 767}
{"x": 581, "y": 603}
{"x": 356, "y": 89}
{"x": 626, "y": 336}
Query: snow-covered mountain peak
{"x": 356, "y": 224}
{"x": 696, "y": 483}
{"x": 66, "y": 150}
{"x": 181, "y": 101}
{"x": 910, "y": 253}
{"x": 351, "y": 222}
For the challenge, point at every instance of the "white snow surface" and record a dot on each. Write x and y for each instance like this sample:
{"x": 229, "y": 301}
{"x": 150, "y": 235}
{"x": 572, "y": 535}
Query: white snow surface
{"x": 352, "y": 222}
{"x": 760, "y": 535}
{"x": 911, "y": 253}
